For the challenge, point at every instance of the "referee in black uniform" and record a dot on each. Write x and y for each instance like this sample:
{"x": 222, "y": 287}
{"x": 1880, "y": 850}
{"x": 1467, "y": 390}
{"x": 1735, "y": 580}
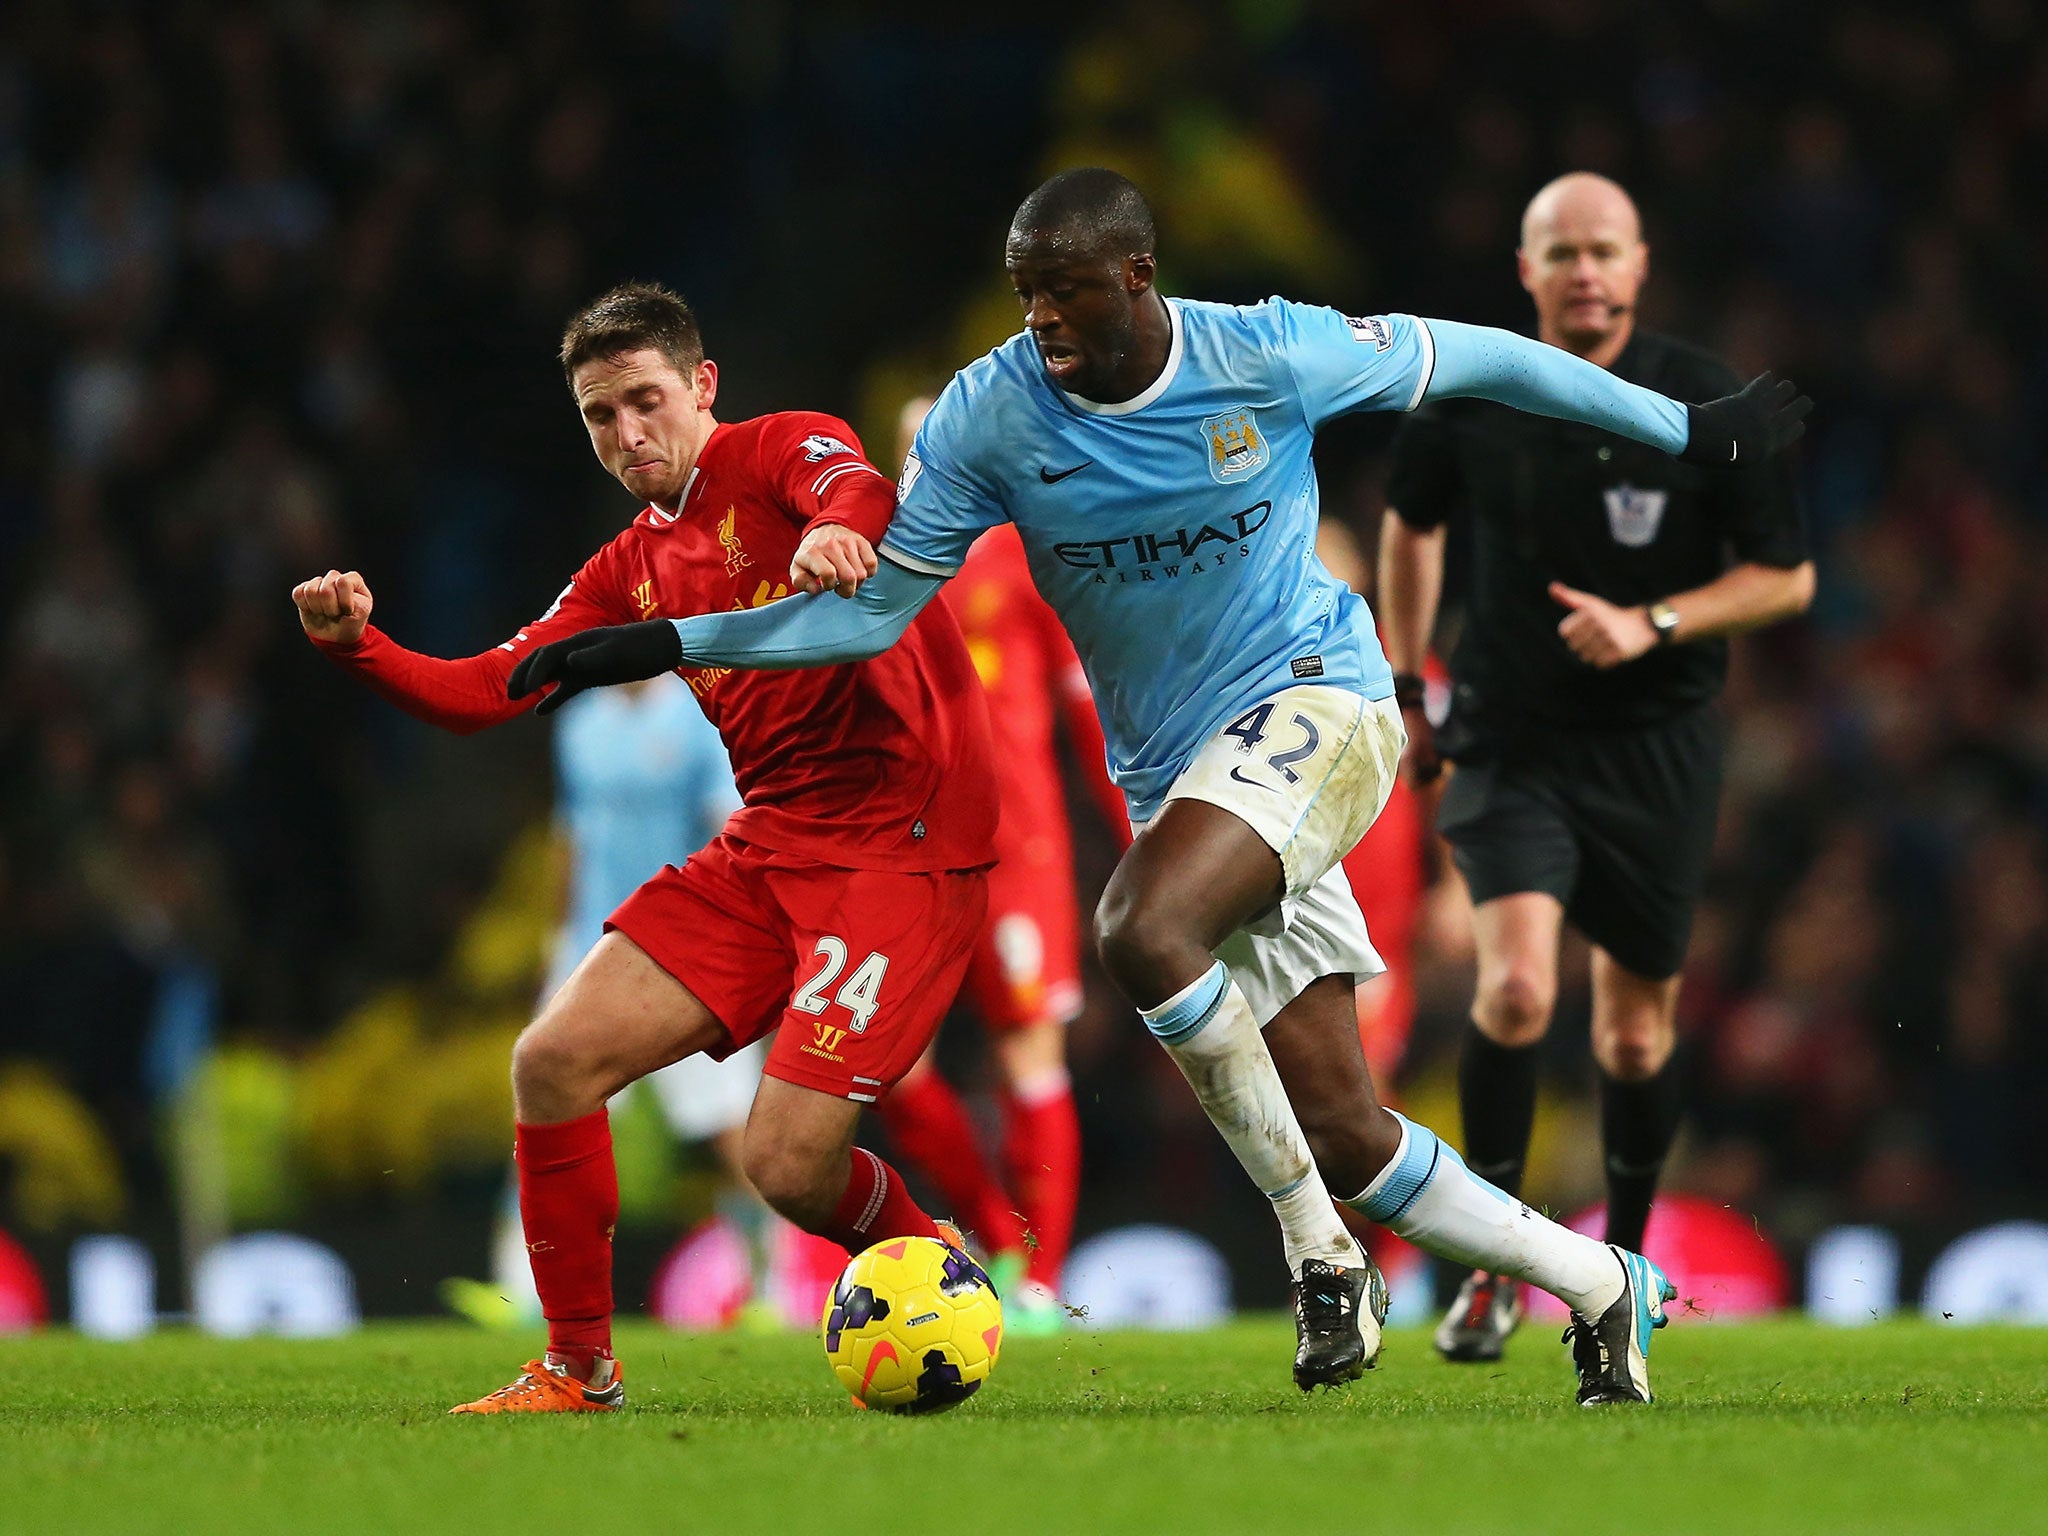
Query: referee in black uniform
{"x": 1605, "y": 577}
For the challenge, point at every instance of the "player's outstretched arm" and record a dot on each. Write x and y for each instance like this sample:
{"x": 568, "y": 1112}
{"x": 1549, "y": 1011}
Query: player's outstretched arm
{"x": 1476, "y": 360}
{"x": 795, "y": 632}
{"x": 462, "y": 694}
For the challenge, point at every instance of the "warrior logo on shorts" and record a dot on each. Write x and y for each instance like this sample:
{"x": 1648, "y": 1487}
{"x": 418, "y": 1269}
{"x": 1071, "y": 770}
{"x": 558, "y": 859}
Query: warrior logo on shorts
{"x": 1237, "y": 449}
{"x": 1634, "y": 516}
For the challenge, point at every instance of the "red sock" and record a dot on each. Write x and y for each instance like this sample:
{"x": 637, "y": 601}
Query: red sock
{"x": 568, "y": 1204}
{"x": 929, "y": 1126}
{"x": 1042, "y": 1157}
{"x": 876, "y": 1206}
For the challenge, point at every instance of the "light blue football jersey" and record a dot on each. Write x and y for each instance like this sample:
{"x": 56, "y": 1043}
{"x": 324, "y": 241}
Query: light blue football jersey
{"x": 641, "y": 781}
{"x": 1173, "y": 533}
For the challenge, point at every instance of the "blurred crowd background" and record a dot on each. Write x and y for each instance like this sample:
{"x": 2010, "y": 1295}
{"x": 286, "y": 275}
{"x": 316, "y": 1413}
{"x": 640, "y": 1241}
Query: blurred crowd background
{"x": 280, "y": 287}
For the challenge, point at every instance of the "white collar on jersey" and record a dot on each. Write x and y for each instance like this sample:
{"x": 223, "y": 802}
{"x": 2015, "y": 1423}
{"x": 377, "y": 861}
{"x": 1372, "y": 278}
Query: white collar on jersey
{"x": 1152, "y": 391}
{"x": 682, "y": 501}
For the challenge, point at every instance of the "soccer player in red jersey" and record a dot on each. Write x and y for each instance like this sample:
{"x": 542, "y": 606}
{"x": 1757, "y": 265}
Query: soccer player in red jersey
{"x": 1025, "y": 979}
{"x": 843, "y": 900}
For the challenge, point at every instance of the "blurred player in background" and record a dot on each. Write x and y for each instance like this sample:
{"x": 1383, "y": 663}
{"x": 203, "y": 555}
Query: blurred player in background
{"x": 1025, "y": 980}
{"x": 641, "y": 780}
{"x": 1390, "y": 871}
{"x": 841, "y": 902}
{"x": 1155, "y": 457}
{"x": 1606, "y": 579}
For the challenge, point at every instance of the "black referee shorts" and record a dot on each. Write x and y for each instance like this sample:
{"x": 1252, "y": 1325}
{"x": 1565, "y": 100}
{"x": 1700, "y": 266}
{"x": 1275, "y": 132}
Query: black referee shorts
{"x": 1616, "y": 822}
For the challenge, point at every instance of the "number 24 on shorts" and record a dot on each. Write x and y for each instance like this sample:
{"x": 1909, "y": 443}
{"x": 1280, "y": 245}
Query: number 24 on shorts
{"x": 859, "y": 994}
{"x": 1250, "y": 730}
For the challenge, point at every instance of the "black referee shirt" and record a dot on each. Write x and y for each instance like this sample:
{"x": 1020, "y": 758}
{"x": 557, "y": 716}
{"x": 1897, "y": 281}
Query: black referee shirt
{"x": 1555, "y": 501}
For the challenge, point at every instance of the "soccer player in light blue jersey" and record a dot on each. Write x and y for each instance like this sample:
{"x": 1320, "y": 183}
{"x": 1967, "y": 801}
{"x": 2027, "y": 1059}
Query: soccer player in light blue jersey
{"x": 1154, "y": 454}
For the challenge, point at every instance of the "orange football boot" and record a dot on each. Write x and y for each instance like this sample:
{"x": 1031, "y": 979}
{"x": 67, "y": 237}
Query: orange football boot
{"x": 544, "y": 1388}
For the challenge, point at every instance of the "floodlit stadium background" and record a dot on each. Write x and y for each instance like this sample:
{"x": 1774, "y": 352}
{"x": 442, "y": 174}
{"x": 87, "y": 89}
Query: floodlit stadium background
{"x": 279, "y": 290}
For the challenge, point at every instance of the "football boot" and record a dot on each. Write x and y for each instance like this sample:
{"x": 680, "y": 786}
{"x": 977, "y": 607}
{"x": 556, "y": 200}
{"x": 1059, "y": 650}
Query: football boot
{"x": 1488, "y": 1309}
{"x": 545, "y": 1387}
{"x": 1612, "y": 1351}
{"x": 1338, "y": 1310}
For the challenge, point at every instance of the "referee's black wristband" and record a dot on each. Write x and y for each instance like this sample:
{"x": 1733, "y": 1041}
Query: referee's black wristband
{"x": 1409, "y": 690}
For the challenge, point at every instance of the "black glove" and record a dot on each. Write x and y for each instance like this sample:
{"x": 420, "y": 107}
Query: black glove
{"x": 1741, "y": 428}
{"x": 595, "y": 658}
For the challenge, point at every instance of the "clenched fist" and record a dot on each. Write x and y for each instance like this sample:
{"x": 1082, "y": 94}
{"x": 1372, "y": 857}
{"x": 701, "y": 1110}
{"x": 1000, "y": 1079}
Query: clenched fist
{"x": 832, "y": 558}
{"x": 334, "y": 607}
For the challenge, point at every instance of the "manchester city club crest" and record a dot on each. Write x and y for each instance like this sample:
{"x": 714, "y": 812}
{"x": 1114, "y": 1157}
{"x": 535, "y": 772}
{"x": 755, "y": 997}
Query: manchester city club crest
{"x": 1634, "y": 516}
{"x": 1237, "y": 448}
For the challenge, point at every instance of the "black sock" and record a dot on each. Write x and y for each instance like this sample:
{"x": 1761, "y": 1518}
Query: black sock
{"x": 1638, "y": 1122}
{"x": 1497, "y": 1101}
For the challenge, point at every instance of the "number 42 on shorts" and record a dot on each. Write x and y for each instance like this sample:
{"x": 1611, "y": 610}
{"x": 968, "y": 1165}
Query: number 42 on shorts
{"x": 1250, "y": 731}
{"x": 859, "y": 994}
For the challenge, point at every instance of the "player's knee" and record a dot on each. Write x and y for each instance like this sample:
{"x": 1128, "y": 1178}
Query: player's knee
{"x": 543, "y": 1062}
{"x": 1140, "y": 946}
{"x": 1633, "y": 1052}
{"x": 798, "y": 1184}
{"x": 1514, "y": 1005}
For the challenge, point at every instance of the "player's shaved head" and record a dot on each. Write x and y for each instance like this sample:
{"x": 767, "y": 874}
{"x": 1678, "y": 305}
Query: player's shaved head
{"x": 1080, "y": 258}
{"x": 1087, "y": 212}
{"x": 1580, "y": 198}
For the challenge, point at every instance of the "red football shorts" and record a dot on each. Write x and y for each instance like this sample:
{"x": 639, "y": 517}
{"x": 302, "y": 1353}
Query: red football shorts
{"x": 855, "y": 966}
{"x": 1027, "y": 963}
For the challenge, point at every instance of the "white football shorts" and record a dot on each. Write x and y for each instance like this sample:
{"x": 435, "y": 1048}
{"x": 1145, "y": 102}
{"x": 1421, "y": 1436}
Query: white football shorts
{"x": 1309, "y": 770}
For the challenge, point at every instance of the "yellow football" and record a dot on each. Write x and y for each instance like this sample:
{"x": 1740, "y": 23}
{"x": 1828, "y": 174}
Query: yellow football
{"x": 912, "y": 1326}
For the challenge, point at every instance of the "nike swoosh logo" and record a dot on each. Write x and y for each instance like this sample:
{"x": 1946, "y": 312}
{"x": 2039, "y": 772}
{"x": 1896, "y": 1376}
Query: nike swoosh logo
{"x": 1054, "y": 479}
{"x": 1255, "y": 784}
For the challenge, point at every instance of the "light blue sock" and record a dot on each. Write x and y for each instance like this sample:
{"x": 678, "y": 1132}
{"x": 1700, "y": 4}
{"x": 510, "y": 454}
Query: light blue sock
{"x": 1428, "y": 1196}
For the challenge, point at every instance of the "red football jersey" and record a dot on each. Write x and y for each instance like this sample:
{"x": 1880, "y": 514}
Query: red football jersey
{"x": 1030, "y": 673}
{"x": 880, "y": 764}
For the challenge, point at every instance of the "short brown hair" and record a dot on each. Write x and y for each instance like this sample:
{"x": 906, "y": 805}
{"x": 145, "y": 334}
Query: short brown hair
{"x": 632, "y": 316}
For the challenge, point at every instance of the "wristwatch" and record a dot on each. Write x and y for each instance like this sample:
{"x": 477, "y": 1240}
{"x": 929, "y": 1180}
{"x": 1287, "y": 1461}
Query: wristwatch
{"x": 1663, "y": 619}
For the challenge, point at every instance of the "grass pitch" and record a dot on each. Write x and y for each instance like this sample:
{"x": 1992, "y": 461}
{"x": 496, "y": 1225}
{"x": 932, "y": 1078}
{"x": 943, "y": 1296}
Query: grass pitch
{"x": 1779, "y": 1427}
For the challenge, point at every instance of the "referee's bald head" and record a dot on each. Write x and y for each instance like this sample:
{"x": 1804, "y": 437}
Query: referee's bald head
{"x": 1580, "y": 197}
{"x": 1583, "y": 261}
{"x": 1091, "y": 212}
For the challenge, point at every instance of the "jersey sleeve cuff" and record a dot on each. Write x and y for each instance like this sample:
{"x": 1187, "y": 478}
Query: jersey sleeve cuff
{"x": 346, "y": 648}
{"x": 910, "y": 562}
{"x": 1428, "y": 362}
{"x": 866, "y": 515}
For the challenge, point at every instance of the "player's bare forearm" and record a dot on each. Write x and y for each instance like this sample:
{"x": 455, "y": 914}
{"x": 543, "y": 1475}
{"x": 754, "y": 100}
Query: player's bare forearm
{"x": 1604, "y": 634}
{"x": 1411, "y": 579}
{"x": 1743, "y": 597}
